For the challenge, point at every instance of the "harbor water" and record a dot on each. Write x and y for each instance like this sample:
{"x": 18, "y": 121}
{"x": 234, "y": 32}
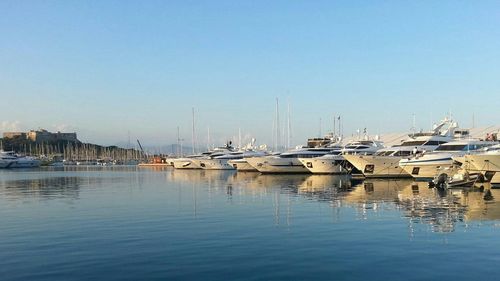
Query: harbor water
{"x": 130, "y": 223}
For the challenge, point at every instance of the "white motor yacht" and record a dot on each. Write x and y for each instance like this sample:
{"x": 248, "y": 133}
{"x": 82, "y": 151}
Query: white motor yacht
{"x": 287, "y": 162}
{"x": 185, "y": 162}
{"x": 334, "y": 162}
{"x": 486, "y": 162}
{"x": 9, "y": 159}
{"x": 221, "y": 162}
{"x": 385, "y": 162}
{"x": 431, "y": 164}
{"x": 326, "y": 164}
{"x": 194, "y": 161}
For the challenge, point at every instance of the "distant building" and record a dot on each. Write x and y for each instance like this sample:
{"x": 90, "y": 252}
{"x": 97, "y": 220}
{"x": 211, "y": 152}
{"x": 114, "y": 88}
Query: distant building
{"x": 12, "y": 135}
{"x": 42, "y": 136}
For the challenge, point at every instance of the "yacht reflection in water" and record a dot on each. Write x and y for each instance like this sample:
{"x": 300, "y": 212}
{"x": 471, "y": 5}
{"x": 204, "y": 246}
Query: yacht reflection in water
{"x": 440, "y": 209}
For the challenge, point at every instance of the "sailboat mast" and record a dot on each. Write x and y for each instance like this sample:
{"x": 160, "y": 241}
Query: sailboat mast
{"x": 334, "y": 125}
{"x": 192, "y": 139}
{"x": 239, "y": 139}
{"x": 208, "y": 138}
{"x": 289, "y": 134}
{"x": 178, "y": 142}
{"x": 277, "y": 125}
{"x": 320, "y": 128}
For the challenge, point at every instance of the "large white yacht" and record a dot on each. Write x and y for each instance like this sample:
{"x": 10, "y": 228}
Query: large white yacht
{"x": 431, "y": 164}
{"x": 288, "y": 162}
{"x": 486, "y": 162}
{"x": 221, "y": 162}
{"x": 9, "y": 159}
{"x": 328, "y": 163}
{"x": 193, "y": 161}
{"x": 334, "y": 162}
{"x": 187, "y": 162}
{"x": 385, "y": 162}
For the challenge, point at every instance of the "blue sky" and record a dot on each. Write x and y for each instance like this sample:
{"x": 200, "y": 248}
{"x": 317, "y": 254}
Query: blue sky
{"x": 106, "y": 68}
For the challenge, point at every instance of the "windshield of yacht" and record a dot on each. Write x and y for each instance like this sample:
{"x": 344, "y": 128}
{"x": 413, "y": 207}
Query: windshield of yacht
{"x": 460, "y": 147}
{"x": 303, "y": 154}
{"x": 403, "y": 153}
{"x": 357, "y": 147}
{"x": 384, "y": 153}
{"x": 451, "y": 147}
{"x": 412, "y": 143}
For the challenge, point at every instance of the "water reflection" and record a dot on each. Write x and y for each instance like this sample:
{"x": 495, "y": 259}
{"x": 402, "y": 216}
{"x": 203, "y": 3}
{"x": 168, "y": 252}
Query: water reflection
{"x": 419, "y": 204}
{"x": 440, "y": 209}
{"x": 43, "y": 187}
{"x": 61, "y": 182}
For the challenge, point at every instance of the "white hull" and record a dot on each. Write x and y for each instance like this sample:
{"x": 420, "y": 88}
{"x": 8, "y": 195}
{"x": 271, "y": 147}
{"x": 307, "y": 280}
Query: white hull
{"x": 273, "y": 164}
{"x": 215, "y": 164}
{"x": 324, "y": 165}
{"x": 427, "y": 169}
{"x": 242, "y": 165}
{"x": 484, "y": 162}
{"x": 184, "y": 163}
{"x": 378, "y": 166}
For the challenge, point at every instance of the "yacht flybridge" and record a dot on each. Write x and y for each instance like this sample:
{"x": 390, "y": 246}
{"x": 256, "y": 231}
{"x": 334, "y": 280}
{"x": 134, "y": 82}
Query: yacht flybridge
{"x": 385, "y": 162}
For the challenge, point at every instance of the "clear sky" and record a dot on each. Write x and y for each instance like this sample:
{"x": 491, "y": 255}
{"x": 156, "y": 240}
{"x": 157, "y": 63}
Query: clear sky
{"x": 106, "y": 68}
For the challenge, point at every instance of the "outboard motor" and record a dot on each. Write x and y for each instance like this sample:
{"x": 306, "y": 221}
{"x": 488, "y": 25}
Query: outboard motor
{"x": 441, "y": 180}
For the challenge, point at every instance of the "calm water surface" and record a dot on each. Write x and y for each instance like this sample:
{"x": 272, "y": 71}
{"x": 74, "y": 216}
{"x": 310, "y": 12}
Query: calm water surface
{"x": 143, "y": 224}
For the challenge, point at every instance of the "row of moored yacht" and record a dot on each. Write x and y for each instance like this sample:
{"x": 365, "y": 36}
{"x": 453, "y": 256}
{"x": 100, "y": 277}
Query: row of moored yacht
{"x": 422, "y": 155}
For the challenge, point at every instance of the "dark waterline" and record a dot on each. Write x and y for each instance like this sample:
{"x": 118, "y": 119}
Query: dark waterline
{"x": 127, "y": 223}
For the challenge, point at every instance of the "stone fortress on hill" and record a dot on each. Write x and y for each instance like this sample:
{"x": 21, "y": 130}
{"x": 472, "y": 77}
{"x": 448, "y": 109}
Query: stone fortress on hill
{"x": 41, "y": 136}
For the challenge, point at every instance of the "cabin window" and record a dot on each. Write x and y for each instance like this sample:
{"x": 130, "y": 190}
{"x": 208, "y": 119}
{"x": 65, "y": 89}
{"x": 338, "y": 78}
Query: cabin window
{"x": 309, "y": 164}
{"x": 403, "y": 153}
{"x": 434, "y": 142}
